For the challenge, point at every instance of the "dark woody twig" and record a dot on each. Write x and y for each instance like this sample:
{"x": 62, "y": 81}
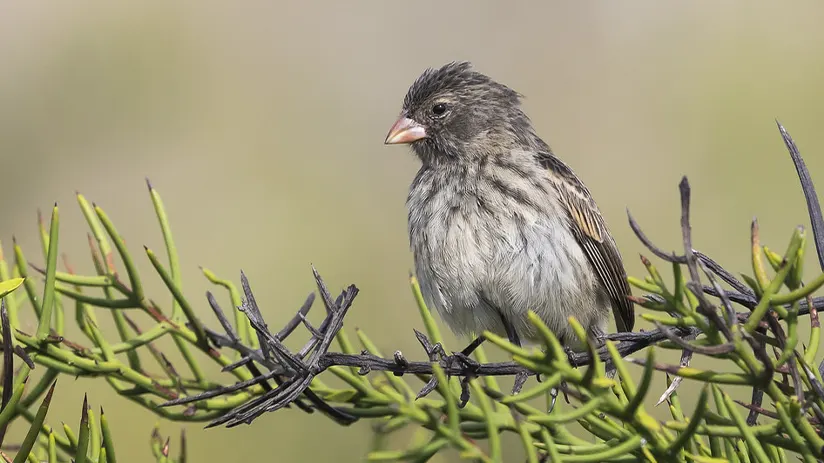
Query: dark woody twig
{"x": 813, "y": 206}
{"x": 314, "y": 358}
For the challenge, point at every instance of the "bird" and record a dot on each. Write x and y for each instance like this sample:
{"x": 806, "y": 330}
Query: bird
{"x": 498, "y": 224}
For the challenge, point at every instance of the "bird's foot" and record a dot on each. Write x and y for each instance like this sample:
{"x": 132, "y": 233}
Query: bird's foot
{"x": 461, "y": 360}
{"x": 435, "y": 352}
{"x": 571, "y": 356}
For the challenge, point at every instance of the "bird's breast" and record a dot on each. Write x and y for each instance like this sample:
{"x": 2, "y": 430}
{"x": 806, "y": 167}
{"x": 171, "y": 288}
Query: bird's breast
{"x": 471, "y": 225}
{"x": 480, "y": 249}
{"x": 476, "y": 210}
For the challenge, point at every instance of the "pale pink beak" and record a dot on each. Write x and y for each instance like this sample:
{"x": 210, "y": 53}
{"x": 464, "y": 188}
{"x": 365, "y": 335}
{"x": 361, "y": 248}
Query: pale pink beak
{"x": 405, "y": 130}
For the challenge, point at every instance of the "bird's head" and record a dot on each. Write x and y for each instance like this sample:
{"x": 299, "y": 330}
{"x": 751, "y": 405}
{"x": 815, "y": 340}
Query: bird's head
{"x": 455, "y": 113}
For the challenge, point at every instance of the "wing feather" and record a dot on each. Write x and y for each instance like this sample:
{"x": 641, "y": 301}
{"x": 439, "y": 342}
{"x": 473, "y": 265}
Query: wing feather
{"x": 590, "y": 230}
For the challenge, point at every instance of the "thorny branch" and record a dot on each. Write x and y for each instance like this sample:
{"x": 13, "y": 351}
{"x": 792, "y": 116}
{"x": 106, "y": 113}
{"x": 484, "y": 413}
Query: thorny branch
{"x": 293, "y": 371}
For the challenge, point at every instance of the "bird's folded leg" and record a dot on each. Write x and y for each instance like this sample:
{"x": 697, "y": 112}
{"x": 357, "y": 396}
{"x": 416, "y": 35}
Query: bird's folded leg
{"x": 511, "y": 334}
{"x": 468, "y": 350}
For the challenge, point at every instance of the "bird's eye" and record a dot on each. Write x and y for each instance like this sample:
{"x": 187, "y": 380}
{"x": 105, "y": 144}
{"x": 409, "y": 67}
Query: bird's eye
{"x": 439, "y": 109}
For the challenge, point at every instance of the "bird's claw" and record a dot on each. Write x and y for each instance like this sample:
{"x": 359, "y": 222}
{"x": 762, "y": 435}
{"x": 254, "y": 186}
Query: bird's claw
{"x": 462, "y": 360}
{"x": 436, "y": 352}
{"x": 570, "y": 356}
{"x": 553, "y": 393}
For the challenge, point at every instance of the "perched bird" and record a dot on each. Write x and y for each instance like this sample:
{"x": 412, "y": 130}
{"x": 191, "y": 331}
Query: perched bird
{"x": 498, "y": 225}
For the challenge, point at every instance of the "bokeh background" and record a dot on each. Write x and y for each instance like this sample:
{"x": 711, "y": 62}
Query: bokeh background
{"x": 262, "y": 125}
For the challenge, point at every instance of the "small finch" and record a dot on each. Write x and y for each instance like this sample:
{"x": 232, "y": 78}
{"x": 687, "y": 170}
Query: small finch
{"x": 498, "y": 225}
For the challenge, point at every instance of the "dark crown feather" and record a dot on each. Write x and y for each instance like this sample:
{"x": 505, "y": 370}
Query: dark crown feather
{"x": 458, "y": 77}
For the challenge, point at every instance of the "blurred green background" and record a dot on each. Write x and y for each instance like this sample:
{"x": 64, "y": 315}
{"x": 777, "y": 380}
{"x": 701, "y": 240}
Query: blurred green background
{"x": 262, "y": 125}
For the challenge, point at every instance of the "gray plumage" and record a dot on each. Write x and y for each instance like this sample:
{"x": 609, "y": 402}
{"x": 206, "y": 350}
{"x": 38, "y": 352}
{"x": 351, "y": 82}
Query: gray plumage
{"x": 497, "y": 224}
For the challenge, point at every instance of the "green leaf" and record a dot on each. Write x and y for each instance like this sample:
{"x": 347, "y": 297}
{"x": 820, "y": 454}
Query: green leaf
{"x": 34, "y": 431}
{"x": 8, "y": 412}
{"x": 81, "y": 455}
{"x": 167, "y": 278}
{"x": 8, "y": 286}
{"x": 44, "y": 325}
{"x": 52, "y": 448}
{"x": 695, "y": 420}
{"x": 182, "y": 456}
{"x": 108, "y": 442}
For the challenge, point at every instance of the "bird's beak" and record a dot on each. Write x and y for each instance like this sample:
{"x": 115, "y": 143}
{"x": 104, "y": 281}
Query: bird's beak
{"x": 405, "y": 130}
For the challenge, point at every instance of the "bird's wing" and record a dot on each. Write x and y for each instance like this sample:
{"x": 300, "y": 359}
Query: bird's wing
{"x": 591, "y": 232}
